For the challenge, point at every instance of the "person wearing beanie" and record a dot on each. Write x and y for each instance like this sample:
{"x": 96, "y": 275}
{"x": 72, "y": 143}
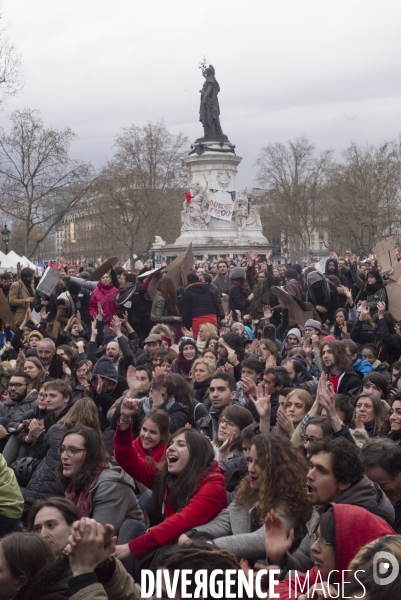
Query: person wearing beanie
{"x": 312, "y": 327}
{"x": 188, "y": 353}
{"x": 239, "y": 293}
{"x": 372, "y": 289}
{"x": 199, "y": 305}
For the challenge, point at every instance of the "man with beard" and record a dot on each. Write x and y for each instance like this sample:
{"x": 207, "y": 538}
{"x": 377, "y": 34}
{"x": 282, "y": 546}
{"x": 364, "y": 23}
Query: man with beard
{"x": 5, "y": 283}
{"x": 21, "y": 399}
{"x": 21, "y": 295}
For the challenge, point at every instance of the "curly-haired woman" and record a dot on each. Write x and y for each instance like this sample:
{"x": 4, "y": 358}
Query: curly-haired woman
{"x": 276, "y": 479}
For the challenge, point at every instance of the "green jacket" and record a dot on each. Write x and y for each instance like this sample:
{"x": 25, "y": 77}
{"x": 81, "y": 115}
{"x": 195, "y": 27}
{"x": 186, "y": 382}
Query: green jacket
{"x": 11, "y": 500}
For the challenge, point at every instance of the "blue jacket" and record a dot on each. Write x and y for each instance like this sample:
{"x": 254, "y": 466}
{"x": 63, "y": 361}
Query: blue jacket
{"x": 362, "y": 366}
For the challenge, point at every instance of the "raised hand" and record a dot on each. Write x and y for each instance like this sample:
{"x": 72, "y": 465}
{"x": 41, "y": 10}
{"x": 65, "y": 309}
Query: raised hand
{"x": 159, "y": 378}
{"x": 70, "y": 323}
{"x": 267, "y": 312}
{"x": 100, "y": 313}
{"x": 248, "y": 386}
{"x": 66, "y": 369}
{"x": 187, "y": 332}
{"x": 262, "y": 402}
{"x": 129, "y": 408}
{"x": 43, "y": 313}
{"x": 350, "y": 257}
{"x": 270, "y": 361}
{"x": 381, "y": 309}
{"x": 277, "y": 543}
{"x": 307, "y": 346}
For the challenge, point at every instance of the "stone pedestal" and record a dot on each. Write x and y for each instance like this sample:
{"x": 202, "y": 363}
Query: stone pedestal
{"x": 212, "y": 168}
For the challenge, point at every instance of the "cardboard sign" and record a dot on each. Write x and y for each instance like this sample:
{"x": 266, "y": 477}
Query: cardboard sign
{"x": 386, "y": 254}
{"x": 103, "y": 269}
{"x": 49, "y": 280}
{"x": 178, "y": 270}
{"x": 5, "y": 310}
{"x": 394, "y": 292}
{"x": 298, "y": 311}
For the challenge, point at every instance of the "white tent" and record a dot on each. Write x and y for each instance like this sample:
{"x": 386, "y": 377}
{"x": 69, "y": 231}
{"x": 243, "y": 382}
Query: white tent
{"x": 25, "y": 261}
{"x": 6, "y": 262}
{"x": 14, "y": 257}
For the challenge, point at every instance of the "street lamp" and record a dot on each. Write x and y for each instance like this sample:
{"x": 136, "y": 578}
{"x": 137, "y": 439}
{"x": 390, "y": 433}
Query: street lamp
{"x": 6, "y": 236}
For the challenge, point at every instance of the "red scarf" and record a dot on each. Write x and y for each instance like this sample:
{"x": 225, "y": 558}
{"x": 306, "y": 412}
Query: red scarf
{"x": 81, "y": 500}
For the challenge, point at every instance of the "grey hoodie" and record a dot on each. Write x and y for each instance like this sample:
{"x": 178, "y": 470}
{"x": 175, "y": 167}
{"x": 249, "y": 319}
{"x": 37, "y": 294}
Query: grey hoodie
{"x": 14, "y": 410}
{"x": 366, "y": 494}
{"x": 113, "y": 499}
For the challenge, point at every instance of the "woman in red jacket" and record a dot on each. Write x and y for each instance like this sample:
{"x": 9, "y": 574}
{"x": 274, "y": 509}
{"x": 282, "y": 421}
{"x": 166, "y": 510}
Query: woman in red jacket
{"x": 153, "y": 436}
{"x": 105, "y": 294}
{"x": 188, "y": 490}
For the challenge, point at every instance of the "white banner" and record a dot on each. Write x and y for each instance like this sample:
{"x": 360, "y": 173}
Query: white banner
{"x": 221, "y": 210}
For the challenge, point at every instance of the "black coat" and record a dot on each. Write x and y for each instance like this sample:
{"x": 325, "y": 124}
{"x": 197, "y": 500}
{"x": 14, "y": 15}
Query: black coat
{"x": 238, "y": 299}
{"x": 198, "y": 300}
{"x": 42, "y": 484}
{"x": 52, "y": 585}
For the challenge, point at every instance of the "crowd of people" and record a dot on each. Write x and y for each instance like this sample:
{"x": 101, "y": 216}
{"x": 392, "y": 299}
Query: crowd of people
{"x": 146, "y": 426}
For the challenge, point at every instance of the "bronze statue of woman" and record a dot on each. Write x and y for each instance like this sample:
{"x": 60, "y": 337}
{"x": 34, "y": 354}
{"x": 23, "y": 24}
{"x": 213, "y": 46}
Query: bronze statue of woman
{"x": 209, "y": 107}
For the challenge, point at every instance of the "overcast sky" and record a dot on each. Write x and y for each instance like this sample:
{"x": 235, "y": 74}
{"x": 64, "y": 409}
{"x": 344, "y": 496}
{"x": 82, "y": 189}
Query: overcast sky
{"x": 327, "y": 70}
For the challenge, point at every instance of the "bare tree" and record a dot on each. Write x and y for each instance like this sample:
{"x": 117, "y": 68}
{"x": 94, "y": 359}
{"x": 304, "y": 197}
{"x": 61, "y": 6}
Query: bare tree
{"x": 39, "y": 182}
{"x": 363, "y": 196}
{"x": 11, "y": 81}
{"x": 295, "y": 178}
{"x": 139, "y": 192}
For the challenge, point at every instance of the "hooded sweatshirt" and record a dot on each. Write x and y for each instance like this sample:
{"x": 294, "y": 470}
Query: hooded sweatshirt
{"x": 364, "y": 494}
{"x": 336, "y": 272}
{"x": 355, "y": 527}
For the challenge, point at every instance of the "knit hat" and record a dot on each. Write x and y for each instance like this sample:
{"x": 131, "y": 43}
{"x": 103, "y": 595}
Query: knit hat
{"x": 314, "y": 324}
{"x": 83, "y": 275}
{"x": 187, "y": 341}
{"x": 36, "y": 334}
{"x": 167, "y": 340}
{"x": 73, "y": 288}
{"x": 233, "y": 326}
{"x": 249, "y": 332}
{"x": 105, "y": 368}
{"x": 237, "y": 273}
{"x": 232, "y": 341}
{"x": 295, "y": 331}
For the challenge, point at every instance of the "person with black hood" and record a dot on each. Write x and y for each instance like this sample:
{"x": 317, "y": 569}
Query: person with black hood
{"x": 323, "y": 295}
{"x": 331, "y": 268}
{"x": 106, "y": 387}
{"x": 372, "y": 289}
{"x": 199, "y": 305}
{"x": 239, "y": 296}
